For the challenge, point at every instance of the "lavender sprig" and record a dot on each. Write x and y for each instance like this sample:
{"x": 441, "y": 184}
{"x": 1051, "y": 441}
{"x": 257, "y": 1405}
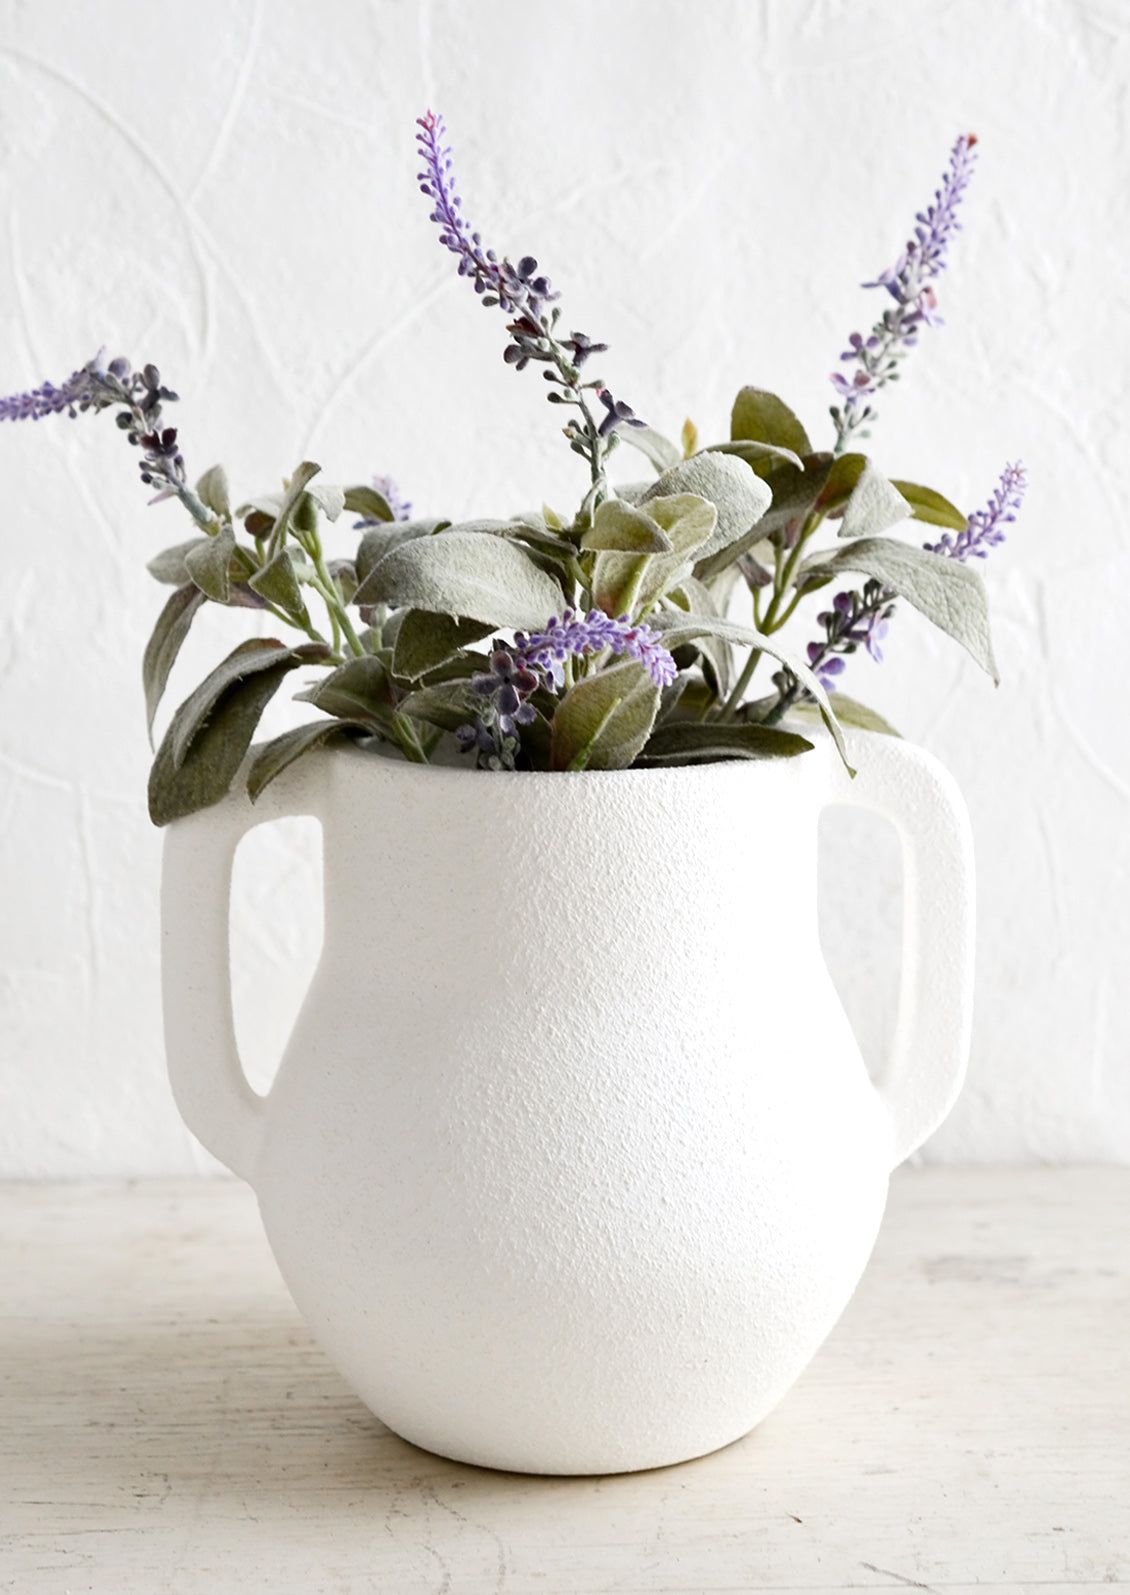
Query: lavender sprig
{"x": 860, "y": 619}
{"x": 573, "y": 634}
{"x": 525, "y": 294}
{"x": 985, "y": 528}
{"x": 99, "y": 386}
{"x": 83, "y": 390}
{"x": 909, "y": 283}
{"x": 854, "y": 620}
{"x": 538, "y": 659}
{"x": 389, "y": 487}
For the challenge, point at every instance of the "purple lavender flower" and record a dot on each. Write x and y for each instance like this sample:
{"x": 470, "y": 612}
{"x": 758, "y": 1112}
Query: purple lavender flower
{"x": 909, "y": 284}
{"x": 525, "y": 294}
{"x": 855, "y": 620}
{"x": 97, "y": 386}
{"x": 619, "y": 414}
{"x": 582, "y": 347}
{"x": 508, "y": 685}
{"x": 537, "y": 659}
{"x": 573, "y": 634}
{"x": 494, "y": 732}
{"x": 389, "y": 489}
{"x": 985, "y": 528}
{"x": 78, "y": 392}
{"x": 861, "y": 619}
{"x": 514, "y": 288}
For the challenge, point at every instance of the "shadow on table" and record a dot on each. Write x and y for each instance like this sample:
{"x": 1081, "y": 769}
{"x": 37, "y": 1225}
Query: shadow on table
{"x": 248, "y": 1409}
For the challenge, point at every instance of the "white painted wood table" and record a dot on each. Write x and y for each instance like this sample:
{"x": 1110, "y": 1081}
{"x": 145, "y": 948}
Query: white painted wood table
{"x": 167, "y": 1426}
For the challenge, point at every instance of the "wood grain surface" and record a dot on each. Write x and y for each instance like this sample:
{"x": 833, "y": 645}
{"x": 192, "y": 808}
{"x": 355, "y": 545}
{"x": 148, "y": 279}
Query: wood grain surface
{"x": 166, "y": 1424}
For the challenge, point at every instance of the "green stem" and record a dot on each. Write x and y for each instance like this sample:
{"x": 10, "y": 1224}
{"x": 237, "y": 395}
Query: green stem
{"x": 326, "y": 588}
{"x": 409, "y": 740}
{"x": 740, "y": 685}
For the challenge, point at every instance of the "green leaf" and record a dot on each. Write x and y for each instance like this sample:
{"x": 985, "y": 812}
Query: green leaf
{"x": 486, "y": 526}
{"x": 677, "y": 628}
{"x": 378, "y": 541}
{"x": 344, "y": 573}
{"x": 168, "y": 566}
{"x": 165, "y": 644}
{"x": 279, "y": 507}
{"x": 840, "y": 479}
{"x": 740, "y": 497}
{"x": 624, "y": 583}
{"x": 368, "y": 502}
{"x": 461, "y": 573}
{"x": 618, "y": 525}
{"x": 715, "y": 653}
{"x": 358, "y": 690}
{"x": 693, "y": 742}
{"x": 687, "y": 519}
{"x": 448, "y": 704}
{"x": 272, "y": 758}
{"x": 629, "y": 583}
{"x": 424, "y": 641}
{"x": 212, "y": 490}
{"x": 603, "y": 722}
{"x": 209, "y": 564}
{"x": 277, "y": 582}
{"x": 850, "y": 712}
{"x": 329, "y": 499}
{"x": 764, "y": 418}
{"x": 531, "y": 529}
{"x": 214, "y": 746}
{"x": 931, "y": 507}
{"x": 946, "y": 592}
{"x": 793, "y": 492}
{"x": 756, "y": 454}
{"x": 873, "y": 506}
{"x": 662, "y": 453}
{"x": 250, "y": 658}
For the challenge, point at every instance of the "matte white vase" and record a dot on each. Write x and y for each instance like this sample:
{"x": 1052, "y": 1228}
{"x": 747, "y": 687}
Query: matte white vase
{"x": 572, "y": 1161}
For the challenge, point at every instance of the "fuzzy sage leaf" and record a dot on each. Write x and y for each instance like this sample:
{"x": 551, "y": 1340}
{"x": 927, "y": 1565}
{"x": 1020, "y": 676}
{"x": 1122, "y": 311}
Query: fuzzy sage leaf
{"x": 251, "y": 658}
{"x": 675, "y": 627}
{"x": 603, "y": 722}
{"x": 697, "y": 742}
{"x": 164, "y": 645}
{"x": 490, "y": 579}
{"x": 168, "y": 566}
{"x": 272, "y": 758}
{"x": 948, "y": 593}
{"x": 212, "y": 730}
{"x": 764, "y": 418}
{"x": 278, "y": 583}
{"x": 208, "y": 564}
{"x": 874, "y": 506}
{"x": 740, "y": 497}
{"x": 212, "y": 490}
{"x": 425, "y": 640}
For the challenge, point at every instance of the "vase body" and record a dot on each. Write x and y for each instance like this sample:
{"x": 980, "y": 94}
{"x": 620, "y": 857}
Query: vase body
{"x": 572, "y": 1161}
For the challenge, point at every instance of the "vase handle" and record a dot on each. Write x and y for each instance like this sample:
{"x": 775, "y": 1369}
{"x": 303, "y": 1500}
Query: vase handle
{"x": 207, "y": 1078}
{"x": 931, "y": 1041}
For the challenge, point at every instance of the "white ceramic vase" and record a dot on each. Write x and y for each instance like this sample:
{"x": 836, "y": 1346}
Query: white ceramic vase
{"x": 572, "y": 1161}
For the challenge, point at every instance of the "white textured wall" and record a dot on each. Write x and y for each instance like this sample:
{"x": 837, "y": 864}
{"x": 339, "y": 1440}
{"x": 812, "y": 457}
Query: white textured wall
{"x": 226, "y": 188}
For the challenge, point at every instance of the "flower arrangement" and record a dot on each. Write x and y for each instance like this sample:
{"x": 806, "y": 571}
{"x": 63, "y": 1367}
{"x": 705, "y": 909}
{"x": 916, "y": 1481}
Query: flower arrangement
{"x": 544, "y": 643}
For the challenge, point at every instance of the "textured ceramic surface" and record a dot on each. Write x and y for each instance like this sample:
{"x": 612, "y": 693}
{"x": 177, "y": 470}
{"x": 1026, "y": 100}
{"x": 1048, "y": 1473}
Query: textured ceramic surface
{"x": 572, "y": 1161}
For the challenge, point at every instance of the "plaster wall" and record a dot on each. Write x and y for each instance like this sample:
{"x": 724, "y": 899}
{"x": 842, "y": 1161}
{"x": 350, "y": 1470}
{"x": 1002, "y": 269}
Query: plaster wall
{"x": 227, "y": 189}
